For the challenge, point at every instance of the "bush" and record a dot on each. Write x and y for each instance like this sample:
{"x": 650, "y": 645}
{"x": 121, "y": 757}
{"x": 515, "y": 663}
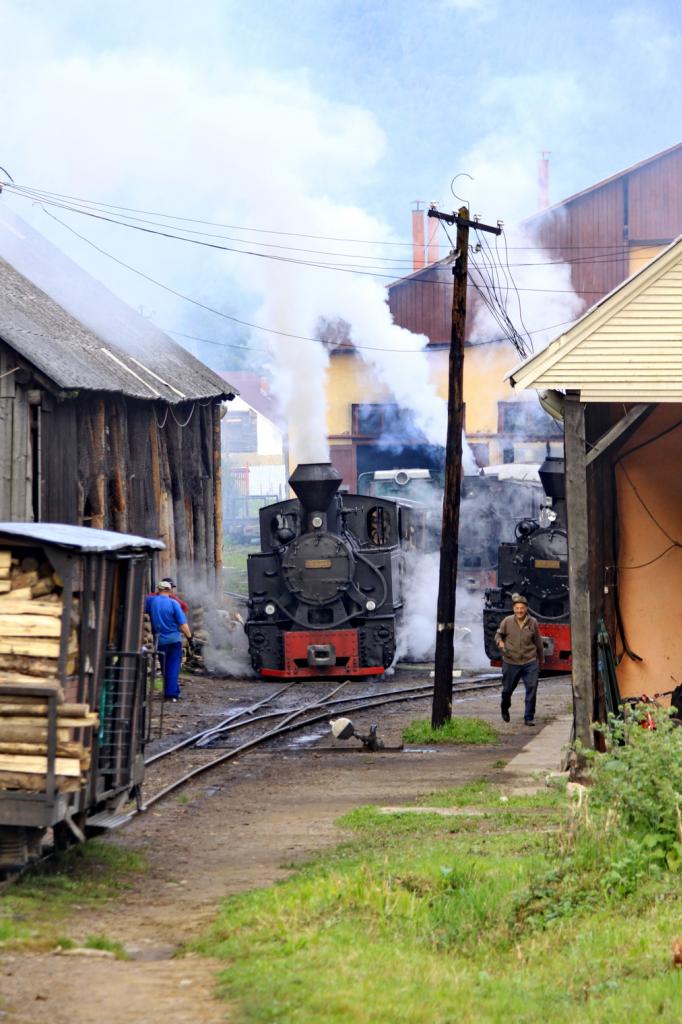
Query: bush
{"x": 629, "y": 828}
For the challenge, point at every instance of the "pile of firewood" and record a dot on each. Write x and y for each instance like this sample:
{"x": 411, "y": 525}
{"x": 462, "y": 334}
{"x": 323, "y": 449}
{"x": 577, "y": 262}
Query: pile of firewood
{"x": 31, "y": 612}
{"x": 23, "y": 740}
{"x": 31, "y": 620}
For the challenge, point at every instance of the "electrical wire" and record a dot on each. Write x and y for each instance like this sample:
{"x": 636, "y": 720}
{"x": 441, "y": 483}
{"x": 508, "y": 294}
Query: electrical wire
{"x": 28, "y": 191}
{"x": 238, "y": 320}
{"x": 336, "y": 267}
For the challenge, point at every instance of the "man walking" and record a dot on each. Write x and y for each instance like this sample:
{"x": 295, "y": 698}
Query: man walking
{"x": 518, "y": 637}
{"x": 169, "y": 624}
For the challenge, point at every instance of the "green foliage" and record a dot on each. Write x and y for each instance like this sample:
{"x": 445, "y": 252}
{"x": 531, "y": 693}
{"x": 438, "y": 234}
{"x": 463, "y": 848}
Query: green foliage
{"x": 455, "y": 730}
{"x": 627, "y": 833}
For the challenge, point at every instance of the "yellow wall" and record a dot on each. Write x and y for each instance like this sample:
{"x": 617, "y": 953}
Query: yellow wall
{"x": 640, "y": 255}
{"x": 651, "y": 596}
{"x": 350, "y": 381}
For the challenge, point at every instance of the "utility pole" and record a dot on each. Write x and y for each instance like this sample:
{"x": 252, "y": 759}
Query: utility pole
{"x": 449, "y": 543}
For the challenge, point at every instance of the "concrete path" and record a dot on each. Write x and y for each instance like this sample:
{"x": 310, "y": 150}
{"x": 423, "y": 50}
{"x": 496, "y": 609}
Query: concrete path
{"x": 543, "y": 753}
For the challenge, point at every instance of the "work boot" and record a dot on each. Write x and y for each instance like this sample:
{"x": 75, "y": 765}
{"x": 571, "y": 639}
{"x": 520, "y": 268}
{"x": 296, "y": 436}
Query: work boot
{"x": 505, "y": 715}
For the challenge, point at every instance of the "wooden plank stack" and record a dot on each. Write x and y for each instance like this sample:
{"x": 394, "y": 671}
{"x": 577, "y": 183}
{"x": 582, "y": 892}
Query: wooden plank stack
{"x": 30, "y": 635}
{"x": 30, "y": 621}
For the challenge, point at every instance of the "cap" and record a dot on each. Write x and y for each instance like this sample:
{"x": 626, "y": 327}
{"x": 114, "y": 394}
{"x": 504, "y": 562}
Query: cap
{"x": 168, "y": 579}
{"x": 519, "y": 599}
{"x": 164, "y": 585}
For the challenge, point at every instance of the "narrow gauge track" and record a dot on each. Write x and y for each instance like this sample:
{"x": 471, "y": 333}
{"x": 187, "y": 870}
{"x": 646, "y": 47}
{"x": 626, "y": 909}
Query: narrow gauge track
{"x": 291, "y": 719}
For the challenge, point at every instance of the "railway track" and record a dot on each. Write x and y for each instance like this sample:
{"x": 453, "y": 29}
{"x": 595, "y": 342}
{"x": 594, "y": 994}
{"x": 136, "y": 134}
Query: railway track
{"x": 290, "y": 720}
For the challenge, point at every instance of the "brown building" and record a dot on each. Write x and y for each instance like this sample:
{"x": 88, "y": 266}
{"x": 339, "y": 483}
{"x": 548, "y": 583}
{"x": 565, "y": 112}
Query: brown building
{"x": 604, "y": 234}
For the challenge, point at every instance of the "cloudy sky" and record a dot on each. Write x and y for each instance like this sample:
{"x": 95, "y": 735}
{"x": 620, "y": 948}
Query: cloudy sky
{"x": 324, "y": 117}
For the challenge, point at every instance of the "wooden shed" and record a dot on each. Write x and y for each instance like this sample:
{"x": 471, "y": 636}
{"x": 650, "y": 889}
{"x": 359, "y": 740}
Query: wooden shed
{"x": 619, "y": 370}
{"x": 104, "y": 420}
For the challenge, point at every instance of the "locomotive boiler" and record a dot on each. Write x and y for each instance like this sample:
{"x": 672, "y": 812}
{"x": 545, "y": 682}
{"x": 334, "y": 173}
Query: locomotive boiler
{"x": 536, "y": 565}
{"x": 325, "y": 588}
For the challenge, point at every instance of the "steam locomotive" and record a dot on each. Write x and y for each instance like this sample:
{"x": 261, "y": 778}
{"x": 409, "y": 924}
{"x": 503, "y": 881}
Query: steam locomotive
{"x": 536, "y": 565}
{"x": 325, "y": 588}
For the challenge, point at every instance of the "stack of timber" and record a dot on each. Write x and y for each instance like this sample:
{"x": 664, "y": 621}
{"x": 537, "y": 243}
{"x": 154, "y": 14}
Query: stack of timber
{"x": 24, "y": 737}
{"x": 31, "y": 614}
{"x": 31, "y": 621}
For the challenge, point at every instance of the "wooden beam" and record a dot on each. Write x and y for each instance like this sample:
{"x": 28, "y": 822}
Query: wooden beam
{"x": 578, "y": 567}
{"x": 628, "y": 422}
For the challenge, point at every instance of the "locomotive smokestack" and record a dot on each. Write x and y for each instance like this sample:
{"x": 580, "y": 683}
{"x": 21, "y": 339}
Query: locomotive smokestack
{"x": 315, "y": 484}
{"x": 552, "y": 477}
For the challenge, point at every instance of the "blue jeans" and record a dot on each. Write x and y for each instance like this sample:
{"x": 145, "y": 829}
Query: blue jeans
{"x": 527, "y": 674}
{"x": 171, "y": 659}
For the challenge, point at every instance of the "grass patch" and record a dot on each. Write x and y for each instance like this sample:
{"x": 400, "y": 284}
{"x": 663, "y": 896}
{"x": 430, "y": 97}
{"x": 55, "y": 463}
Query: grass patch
{"x": 35, "y": 911}
{"x": 429, "y": 917}
{"x": 455, "y": 730}
{"x": 105, "y": 943}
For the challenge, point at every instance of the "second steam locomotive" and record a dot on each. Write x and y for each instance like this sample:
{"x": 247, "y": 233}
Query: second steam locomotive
{"x": 325, "y": 588}
{"x": 536, "y": 565}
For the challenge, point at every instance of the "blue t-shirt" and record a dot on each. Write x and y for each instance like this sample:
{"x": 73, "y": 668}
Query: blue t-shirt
{"x": 166, "y": 615}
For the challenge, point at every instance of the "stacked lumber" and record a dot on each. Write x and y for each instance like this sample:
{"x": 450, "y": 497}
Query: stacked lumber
{"x": 23, "y": 741}
{"x": 31, "y": 621}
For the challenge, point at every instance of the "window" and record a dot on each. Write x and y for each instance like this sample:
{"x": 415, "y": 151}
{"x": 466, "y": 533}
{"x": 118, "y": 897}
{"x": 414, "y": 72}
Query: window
{"x": 387, "y": 421}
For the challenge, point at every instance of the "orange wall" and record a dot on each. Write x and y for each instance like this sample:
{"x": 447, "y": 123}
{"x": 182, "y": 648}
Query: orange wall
{"x": 651, "y": 596}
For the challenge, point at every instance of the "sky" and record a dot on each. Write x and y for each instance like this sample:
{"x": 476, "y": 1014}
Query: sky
{"x": 323, "y": 117}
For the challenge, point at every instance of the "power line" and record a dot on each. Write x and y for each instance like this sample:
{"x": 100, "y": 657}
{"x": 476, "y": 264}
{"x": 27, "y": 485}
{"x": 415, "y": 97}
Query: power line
{"x": 296, "y": 262}
{"x": 616, "y": 257}
{"x": 246, "y": 323}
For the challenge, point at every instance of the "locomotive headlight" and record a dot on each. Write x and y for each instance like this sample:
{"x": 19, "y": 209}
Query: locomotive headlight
{"x": 270, "y": 609}
{"x": 316, "y": 522}
{"x": 370, "y": 606}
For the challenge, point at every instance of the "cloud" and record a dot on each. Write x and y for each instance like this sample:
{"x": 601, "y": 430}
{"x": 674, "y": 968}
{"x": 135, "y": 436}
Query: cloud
{"x": 484, "y": 10}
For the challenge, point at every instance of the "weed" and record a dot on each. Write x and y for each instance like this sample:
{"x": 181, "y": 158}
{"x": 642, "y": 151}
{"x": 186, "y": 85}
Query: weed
{"x": 110, "y": 945}
{"x": 454, "y": 730}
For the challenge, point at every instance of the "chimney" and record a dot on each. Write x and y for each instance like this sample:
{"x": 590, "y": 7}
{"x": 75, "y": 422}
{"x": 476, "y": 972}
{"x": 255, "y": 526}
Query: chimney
{"x": 543, "y": 180}
{"x": 432, "y": 250}
{"x": 417, "y": 236}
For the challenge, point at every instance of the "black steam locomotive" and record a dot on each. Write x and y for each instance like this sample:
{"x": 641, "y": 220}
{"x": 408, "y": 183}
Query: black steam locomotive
{"x": 536, "y": 565}
{"x": 325, "y": 588}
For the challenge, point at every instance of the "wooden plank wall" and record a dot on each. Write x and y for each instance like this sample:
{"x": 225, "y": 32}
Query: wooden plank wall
{"x": 15, "y": 447}
{"x": 119, "y": 464}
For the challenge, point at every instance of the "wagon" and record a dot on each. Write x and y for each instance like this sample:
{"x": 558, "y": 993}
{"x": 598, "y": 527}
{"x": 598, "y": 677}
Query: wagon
{"x": 73, "y": 681}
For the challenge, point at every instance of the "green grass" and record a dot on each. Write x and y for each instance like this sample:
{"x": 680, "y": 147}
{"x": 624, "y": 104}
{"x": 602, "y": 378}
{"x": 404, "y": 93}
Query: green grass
{"x": 425, "y": 918}
{"x": 455, "y": 730}
{"x": 35, "y": 912}
{"x": 105, "y": 943}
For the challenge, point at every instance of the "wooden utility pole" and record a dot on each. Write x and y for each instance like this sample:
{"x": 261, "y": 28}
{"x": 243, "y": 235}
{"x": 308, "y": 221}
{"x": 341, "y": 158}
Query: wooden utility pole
{"x": 449, "y": 544}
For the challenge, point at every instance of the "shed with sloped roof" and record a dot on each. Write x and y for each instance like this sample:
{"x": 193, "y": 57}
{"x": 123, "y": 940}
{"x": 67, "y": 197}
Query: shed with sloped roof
{"x": 618, "y": 375}
{"x": 104, "y": 420}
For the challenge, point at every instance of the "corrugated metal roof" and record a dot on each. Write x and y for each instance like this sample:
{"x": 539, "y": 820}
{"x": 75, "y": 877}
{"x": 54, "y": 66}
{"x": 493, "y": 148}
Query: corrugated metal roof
{"x": 627, "y": 347}
{"x": 83, "y": 538}
{"x": 80, "y": 335}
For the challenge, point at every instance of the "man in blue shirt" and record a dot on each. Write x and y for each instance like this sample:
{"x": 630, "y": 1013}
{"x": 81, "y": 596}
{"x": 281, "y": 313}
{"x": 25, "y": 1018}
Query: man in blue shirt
{"x": 169, "y": 624}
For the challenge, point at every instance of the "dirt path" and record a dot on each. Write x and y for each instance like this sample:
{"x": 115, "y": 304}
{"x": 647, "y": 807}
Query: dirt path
{"x": 235, "y": 831}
